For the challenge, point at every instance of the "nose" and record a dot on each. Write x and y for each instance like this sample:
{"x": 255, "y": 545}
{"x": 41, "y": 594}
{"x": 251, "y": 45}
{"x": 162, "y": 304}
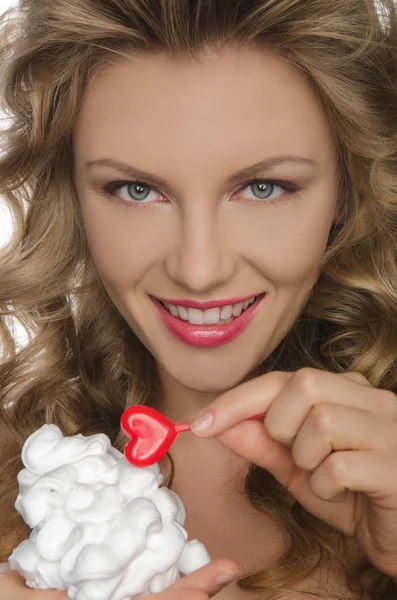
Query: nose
{"x": 200, "y": 259}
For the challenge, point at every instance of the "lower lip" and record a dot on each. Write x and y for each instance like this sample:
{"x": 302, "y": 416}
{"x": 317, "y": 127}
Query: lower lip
{"x": 207, "y": 336}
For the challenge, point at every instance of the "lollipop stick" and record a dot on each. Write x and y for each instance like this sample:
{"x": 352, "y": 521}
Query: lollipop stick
{"x": 186, "y": 426}
{"x": 182, "y": 427}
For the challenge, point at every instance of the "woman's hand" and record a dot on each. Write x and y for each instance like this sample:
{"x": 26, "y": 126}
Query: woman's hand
{"x": 200, "y": 585}
{"x": 330, "y": 439}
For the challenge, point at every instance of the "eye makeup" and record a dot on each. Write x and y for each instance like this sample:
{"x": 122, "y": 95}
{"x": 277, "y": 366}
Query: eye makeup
{"x": 290, "y": 188}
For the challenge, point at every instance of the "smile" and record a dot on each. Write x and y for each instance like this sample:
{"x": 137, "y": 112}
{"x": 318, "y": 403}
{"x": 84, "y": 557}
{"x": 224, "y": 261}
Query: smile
{"x": 211, "y": 327}
{"x": 211, "y": 316}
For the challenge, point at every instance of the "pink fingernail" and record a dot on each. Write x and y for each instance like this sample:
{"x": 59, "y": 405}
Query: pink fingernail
{"x": 202, "y": 422}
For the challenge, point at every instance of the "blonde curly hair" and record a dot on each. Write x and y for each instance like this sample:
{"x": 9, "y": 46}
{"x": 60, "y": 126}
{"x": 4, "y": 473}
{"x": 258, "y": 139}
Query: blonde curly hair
{"x": 82, "y": 365}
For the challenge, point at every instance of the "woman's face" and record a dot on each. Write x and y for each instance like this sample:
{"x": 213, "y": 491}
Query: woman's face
{"x": 205, "y": 232}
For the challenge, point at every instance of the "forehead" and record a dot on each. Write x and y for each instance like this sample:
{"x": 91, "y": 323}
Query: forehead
{"x": 235, "y": 101}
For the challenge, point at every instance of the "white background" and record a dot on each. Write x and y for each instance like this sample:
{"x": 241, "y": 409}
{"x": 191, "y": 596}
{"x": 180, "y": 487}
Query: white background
{"x": 5, "y": 221}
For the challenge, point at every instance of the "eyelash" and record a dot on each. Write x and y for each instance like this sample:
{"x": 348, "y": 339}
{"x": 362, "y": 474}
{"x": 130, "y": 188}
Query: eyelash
{"x": 289, "y": 187}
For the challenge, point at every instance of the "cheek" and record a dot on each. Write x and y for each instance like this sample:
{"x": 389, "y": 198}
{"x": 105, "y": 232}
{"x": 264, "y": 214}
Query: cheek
{"x": 296, "y": 260}
{"x": 123, "y": 245}
{"x": 283, "y": 244}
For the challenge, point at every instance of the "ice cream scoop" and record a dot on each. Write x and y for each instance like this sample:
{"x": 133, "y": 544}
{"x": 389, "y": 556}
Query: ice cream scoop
{"x": 151, "y": 433}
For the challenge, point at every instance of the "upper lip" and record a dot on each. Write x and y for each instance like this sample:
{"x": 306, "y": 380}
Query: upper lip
{"x": 208, "y": 303}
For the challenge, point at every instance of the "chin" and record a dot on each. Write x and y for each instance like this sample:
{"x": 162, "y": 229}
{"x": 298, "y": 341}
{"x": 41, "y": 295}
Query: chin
{"x": 216, "y": 379}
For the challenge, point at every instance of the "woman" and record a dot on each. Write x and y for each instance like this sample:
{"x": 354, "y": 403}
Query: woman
{"x": 211, "y": 225}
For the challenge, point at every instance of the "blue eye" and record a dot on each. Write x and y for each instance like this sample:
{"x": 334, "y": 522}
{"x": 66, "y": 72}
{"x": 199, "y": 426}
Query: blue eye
{"x": 262, "y": 189}
{"x": 140, "y": 191}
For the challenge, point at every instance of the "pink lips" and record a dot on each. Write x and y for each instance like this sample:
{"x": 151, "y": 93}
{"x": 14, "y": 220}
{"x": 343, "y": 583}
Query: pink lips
{"x": 207, "y": 335}
{"x": 207, "y": 304}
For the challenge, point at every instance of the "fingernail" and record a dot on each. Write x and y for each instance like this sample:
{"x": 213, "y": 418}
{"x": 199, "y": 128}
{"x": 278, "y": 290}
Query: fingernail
{"x": 226, "y": 577}
{"x": 202, "y": 422}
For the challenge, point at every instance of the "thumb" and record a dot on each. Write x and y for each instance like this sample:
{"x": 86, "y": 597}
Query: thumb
{"x": 250, "y": 440}
{"x": 207, "y": 579}
{"x": 50, "y": 595}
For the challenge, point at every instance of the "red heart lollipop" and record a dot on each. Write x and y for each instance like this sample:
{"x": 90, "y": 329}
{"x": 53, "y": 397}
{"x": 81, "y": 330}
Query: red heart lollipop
{"x": 151, "y": 433}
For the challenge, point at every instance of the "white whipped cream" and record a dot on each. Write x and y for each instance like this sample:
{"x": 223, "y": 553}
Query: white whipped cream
{"x": 101, "y": 528}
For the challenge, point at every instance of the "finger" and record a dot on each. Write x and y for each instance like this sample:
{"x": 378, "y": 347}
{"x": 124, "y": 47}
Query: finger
{"x": 307, "y": 388}
{"x": 250, "y": 398}
{"x": 331, "y": 427}
{"x": 357, "y": 377}
{"x": 250, "y": 440}
{"x": 48, "y": 595}
{"x": 205, "y": 579}
{"x": 372, "y": 472}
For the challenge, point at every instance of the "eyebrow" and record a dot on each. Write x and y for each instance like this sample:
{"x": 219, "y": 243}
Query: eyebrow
{"x": 250, "y": 171}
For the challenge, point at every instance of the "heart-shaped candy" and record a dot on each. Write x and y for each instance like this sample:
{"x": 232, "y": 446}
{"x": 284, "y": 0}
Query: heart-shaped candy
{"x": 151, "y": 433}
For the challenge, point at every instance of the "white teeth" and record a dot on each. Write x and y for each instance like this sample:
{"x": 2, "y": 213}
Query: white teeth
{"x": 183, "y": 313}
{"x": 173, "y": 310}
{"x": 211, "y": 316}
{"x": 196, "y": 316}
{"x": 226, "y": 311}
{"x": 237, "y": 308}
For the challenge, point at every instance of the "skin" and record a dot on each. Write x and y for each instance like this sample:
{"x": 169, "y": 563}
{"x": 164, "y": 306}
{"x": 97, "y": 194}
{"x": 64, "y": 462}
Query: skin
{"x": 199, "y": 237}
